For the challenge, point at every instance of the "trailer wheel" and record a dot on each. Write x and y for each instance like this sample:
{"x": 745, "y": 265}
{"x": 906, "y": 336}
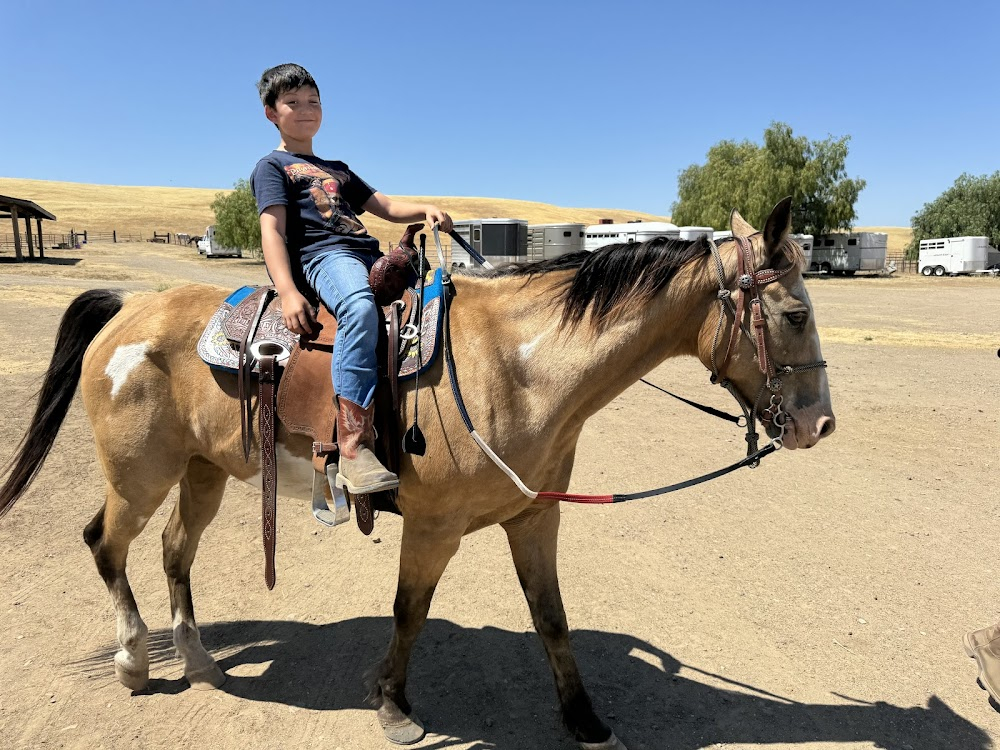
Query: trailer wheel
{"x": 825, "y": 268}
{"x": 927, "y": 270}
{"x": 849, "y": 273}
{"x": 939, "y": 270}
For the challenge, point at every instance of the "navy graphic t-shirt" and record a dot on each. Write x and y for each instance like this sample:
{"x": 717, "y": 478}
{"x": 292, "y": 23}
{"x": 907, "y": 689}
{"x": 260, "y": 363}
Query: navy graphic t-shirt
{"x": 323, "y": 199}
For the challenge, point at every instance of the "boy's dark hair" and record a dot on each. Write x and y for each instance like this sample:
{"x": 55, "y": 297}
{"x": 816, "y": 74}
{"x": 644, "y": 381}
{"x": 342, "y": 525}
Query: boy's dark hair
{"x": 282, "y": 78}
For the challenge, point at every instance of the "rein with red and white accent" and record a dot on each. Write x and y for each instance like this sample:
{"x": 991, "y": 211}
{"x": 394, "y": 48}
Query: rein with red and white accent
{"x": 747, "y": 282}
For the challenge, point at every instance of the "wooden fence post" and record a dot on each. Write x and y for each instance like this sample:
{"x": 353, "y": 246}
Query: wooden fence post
{"x": 17, "y": 234}
{"x": 31, "y": 239}
{"x": 41, "y": 239}
{"x": 114, "y": 235}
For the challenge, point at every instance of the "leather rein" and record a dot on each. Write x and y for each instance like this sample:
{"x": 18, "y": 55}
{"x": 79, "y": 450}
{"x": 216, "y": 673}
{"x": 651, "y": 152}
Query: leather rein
{"x": 748, "y": 296}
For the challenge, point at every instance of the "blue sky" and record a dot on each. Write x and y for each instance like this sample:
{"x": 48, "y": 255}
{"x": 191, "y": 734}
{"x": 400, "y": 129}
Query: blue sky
{"x": 589, "y": 104}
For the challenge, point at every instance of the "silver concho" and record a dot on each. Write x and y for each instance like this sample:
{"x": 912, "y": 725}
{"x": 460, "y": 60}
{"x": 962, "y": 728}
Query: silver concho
{"x": 746, "y": 281}
{"x": 775, "y": 385}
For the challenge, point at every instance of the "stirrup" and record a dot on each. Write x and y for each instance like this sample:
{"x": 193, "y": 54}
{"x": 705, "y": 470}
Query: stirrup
{"x": 341, "y": 512}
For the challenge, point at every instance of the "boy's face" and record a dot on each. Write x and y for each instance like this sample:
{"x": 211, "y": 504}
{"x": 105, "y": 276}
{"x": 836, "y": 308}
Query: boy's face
{"x": 298, "y": 113}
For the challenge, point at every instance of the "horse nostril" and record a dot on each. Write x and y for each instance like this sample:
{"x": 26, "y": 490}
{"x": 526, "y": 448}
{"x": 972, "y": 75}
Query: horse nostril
{"x": 827, "y": 425}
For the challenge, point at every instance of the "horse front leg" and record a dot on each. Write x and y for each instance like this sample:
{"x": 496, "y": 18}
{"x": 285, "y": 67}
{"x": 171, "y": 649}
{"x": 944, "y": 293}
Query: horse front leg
{"x": 532, "y": 536}
{"x": 424, "y": 554}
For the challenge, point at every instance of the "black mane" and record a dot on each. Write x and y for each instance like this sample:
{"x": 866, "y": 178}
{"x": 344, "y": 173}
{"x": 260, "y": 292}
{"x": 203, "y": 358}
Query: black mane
{"x": 612, "y": 278}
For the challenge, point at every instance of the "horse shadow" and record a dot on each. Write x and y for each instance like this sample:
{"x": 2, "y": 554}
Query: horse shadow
{"x": 41, "y": 261}
{"x": 493, "y": 688}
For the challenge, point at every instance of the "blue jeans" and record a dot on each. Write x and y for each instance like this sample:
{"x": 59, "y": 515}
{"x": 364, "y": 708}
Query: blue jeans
{"x": 340, "y": 278}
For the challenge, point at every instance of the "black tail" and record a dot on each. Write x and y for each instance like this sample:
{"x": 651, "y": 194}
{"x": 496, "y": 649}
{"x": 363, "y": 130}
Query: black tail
{"x": 81, "y": 323}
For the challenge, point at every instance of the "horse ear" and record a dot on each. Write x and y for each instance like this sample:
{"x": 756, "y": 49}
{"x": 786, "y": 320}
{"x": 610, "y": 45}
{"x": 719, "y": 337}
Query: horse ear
{"x": 739, "y": 226}
{"x": 778, "y": 225}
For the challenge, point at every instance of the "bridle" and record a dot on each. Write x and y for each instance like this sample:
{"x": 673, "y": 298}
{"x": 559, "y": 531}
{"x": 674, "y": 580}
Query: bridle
{"x": 748, "y": 297}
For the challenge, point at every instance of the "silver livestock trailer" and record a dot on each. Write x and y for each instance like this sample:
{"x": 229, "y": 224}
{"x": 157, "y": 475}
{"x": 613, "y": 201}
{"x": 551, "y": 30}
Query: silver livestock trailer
{"x": 599, "y": 235}
{"x": 954, "y": 255}
{"x": 497, "y": 240}
{"x": 547, "y": 241}
{"x": 849, "y": 253}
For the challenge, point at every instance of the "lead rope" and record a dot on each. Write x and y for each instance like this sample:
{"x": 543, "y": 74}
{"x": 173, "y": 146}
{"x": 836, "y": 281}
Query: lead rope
{"x": 751, "y": 460}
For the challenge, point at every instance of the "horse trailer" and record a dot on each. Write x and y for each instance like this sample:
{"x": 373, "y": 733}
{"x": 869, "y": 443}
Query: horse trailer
{"x": 693, "y": 233}
{"x": 954, "y": 255}
{"x": 497, "y": 240}
{"x": 599, "y": 235}
{"x": 552, "y": 240}
{"x": 849, "y": 253}
{"x": 806, "y": 243}
{"x": 210, "y": 247}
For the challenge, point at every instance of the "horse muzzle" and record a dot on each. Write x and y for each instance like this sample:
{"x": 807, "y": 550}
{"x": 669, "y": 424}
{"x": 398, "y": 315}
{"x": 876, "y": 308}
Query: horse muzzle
{"x": 806, "y": 427}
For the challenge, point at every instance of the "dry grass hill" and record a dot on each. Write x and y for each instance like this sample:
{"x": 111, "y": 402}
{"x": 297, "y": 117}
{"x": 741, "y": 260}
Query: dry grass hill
{"x": 143, "y": 210}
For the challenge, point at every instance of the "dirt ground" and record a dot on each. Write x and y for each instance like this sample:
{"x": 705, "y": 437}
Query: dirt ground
{"x": 817, "y": 602}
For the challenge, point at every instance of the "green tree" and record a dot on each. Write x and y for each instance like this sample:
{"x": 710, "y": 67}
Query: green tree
{"x": 236, "y": 220}
{"x": 969, "y": 208}
{"x": 754, "y": 177}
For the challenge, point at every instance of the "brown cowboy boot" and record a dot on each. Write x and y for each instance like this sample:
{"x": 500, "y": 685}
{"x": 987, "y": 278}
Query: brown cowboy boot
{"x": 984, "y": 646}
{"x": 359, "y": 471}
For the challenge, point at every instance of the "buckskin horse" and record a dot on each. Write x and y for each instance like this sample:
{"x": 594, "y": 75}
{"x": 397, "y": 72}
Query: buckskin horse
{"x": 547, "y": 345}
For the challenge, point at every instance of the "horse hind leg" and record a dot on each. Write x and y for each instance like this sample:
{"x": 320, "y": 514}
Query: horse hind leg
{"x": 109, "y": 535}
{"x": 201, "y": 494}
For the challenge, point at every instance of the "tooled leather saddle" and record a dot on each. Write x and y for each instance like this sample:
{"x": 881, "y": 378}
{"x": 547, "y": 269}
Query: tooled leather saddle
{"x": 247, "y": 336}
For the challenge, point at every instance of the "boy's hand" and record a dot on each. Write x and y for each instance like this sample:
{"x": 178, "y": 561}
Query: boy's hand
{"x": 435, "y": 215}
{"x": 297, "y": 313}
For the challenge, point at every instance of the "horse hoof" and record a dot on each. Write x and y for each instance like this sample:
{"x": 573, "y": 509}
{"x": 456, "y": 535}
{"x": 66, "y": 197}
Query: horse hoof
{"x": 207, "y": 678}
{"x": 611, "y": 743}
{"x": 401, "y": 731}
{"x": 132, "y": 679}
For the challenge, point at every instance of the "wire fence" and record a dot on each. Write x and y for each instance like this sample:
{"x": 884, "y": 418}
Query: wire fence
{"x": 902, "y": 263}
{"x": 79, "y": 239}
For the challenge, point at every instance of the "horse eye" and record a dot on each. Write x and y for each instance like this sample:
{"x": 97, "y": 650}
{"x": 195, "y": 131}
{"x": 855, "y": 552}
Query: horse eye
{"x": 797, "y": 319}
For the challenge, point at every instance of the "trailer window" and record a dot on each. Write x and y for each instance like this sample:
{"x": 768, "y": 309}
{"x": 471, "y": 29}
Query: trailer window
{"x": 567, "y": 234}
{"x": 476, "y": 235}
{"x": 852, "y": 242}
{"x": 827, "y": 243}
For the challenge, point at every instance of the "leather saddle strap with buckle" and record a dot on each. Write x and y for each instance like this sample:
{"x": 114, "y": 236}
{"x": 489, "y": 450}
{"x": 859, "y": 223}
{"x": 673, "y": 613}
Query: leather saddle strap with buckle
{"x": 268, "y": 466}
{"x": 246, "y": 371}
{"x": 394, "y": 355}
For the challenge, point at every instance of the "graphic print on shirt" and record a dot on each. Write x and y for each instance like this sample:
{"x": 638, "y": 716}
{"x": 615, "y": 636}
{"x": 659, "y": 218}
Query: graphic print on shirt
{"x": 324, "y": 187}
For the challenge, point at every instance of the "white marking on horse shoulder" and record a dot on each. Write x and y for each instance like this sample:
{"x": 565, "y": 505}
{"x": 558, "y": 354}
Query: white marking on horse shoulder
{"x": 527, "y": 349}
{"x": 123, "y": 361}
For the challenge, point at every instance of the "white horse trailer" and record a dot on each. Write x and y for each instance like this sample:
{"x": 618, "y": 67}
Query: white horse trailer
{"x": 693, "y": 233}
{"x": 497, "y": 240}
{"x": 552, "y": 240}
{"x": 806, "y": 243}
{"x": 600, "y": 235}
{"x": 720, "y": 235}
{"x": 953, "y": 255}
{"x": 849, "y": 253}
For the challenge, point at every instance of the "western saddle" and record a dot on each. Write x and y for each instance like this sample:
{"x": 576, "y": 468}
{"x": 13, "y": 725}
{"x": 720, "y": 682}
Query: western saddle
{"x": 299, "y": 367}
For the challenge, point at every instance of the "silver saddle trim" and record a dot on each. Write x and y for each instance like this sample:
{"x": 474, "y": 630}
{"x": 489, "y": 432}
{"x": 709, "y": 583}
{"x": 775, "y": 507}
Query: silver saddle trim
{"x": 341, "y": 511}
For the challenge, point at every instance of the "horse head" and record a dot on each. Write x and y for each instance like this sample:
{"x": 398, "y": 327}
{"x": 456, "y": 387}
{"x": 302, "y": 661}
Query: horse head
{"x": 765, "y": 347}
